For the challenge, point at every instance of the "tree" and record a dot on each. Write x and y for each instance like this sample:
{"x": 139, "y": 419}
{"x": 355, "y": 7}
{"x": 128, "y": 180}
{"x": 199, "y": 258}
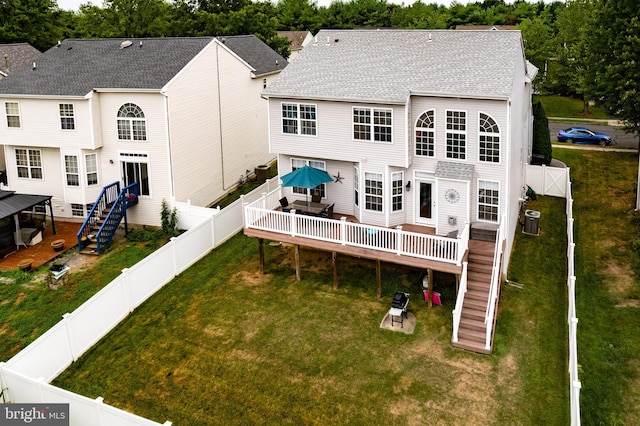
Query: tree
{"x": 541, "y": 136}
{"x": 33, "y": 21}
{"x": 614, "y": 51}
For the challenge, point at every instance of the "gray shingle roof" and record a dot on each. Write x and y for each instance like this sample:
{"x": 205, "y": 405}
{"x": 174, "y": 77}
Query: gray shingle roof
{"x": 77, "y": 66}
{"x": 388, "y": 65}
{"x": 456, "y": 171}
{"x": 15, "y": 55}
{"x": 256, "y": 53}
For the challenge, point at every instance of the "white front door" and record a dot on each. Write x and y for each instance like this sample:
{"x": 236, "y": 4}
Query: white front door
{"x": 425, "y": 202}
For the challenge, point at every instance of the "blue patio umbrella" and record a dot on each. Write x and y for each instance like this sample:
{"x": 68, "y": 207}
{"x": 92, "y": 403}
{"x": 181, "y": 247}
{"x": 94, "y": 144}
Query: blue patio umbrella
{"x": 306, "y": 177}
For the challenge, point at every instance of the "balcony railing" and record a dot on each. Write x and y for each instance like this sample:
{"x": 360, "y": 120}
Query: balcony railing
{"x": 262, "y": 214}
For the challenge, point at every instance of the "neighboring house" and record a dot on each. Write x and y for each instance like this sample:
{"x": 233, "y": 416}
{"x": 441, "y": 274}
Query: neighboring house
{"x": 486, "y": 27}
{"x": 425, "y": 129}
{"x": 14, "y": 56}
{"x": 183, "y": 117}
{"x": 298, "y": 40}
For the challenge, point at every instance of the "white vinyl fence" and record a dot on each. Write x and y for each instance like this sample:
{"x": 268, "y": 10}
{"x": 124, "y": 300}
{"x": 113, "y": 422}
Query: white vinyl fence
{"x": 556, "y": 182}
{"x": 25, "y": 377}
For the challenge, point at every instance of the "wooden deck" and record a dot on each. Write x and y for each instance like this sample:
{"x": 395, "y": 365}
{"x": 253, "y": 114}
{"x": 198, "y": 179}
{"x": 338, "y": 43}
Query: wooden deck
{"x": 42, "y": 252}
{"x": 360, "y": 251}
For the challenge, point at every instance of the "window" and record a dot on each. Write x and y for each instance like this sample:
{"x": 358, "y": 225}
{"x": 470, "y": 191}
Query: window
{"x": 77, "y": 209}
{"x": 29, "y": 163}
{"x": 13, "y": 114}
{"x": 299, "y": 119}
{"x": 135, "y": 169}
{"x": 297, "y": 163}
{"x": 373, "y": 191}
{"x": 457, "y": 134}
{"x": 489, "y": 139}
{"x": 67, "y": 121}
{"x": 131, "y": 123}
{"x": 356, "y": 186}
{"x": 372, "y": 124}
{"x": 488, "y": 199}
{"x": 397, "y": 179}
{"x": 71, "y": 169}
{"x": 91, "y": 167}
{"x": 425, "y": 134}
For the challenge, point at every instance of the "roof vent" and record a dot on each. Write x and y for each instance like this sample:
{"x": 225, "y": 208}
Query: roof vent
{"x": 125, "y": 44}
{"x": 315, "y": 40}
{"x": 140, "y": 45}
{"x": 429, "y": 39}
{"x": 6, "y": 60}
{"x": 34, "y": 66}
{"x": 327, "y": 41}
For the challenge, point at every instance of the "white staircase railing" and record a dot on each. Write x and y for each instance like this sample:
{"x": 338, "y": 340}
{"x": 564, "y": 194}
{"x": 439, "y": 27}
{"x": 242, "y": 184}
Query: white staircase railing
{"x": 457, "y": 312}
{"x": 495, "y": 283}
{"x": 261, "y": 214}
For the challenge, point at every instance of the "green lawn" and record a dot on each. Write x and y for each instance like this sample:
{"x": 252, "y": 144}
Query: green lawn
{"x": 223, "y": 344}
{"x": 562, "y": 106}
{"x": 607, "y": 242}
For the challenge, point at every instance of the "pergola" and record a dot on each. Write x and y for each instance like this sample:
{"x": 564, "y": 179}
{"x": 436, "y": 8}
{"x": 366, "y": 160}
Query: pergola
{"x": 11, "y": 204}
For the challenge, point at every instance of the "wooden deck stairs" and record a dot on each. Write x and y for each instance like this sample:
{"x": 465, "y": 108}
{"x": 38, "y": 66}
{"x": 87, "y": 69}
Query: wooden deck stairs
{"x": 472, "y": 331}
{"x": 90, "y": 245}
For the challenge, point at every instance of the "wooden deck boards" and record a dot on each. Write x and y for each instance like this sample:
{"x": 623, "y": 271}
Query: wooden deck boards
{"x": 357, "y": 251}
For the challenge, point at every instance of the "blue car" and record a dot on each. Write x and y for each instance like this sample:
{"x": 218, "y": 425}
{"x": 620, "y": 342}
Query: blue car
{"x": 583, "y": 135}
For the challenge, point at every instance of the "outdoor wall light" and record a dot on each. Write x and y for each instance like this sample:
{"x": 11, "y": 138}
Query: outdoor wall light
{"x": 408, "y": 186}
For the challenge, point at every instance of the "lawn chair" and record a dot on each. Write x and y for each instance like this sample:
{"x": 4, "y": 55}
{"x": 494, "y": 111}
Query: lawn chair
{"x": 327, "y": 212}
{"x": 316, "y": 198}
{"x": 284, "y": 203}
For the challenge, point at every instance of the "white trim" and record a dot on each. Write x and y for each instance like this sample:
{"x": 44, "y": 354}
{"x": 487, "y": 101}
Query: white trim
{"x": 498, "y": 135}
{"x": 298, "y": 119}
{"x": 402, "y": 191}
{"x": 457, "y": 132}
{"x": 371, "y": 125}
{"x": 417, "y": 180}
{"x": 416, "y": 128}
{"x": 500, "y": 196}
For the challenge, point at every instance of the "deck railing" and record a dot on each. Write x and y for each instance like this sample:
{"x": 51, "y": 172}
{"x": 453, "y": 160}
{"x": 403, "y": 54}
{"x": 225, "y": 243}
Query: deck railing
{"x": 261, "y": 215}
{"x": 457, "y": 312}
{"x": 492, "y": 302}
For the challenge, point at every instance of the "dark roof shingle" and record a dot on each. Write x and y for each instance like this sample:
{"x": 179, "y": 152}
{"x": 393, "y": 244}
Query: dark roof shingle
{"x": 256, "y": 53}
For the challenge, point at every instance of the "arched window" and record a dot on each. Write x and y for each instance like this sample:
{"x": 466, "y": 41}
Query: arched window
{"x": 489, "y": 139}
{"x": 425, "y": 134}
{"x": 132, "y": 125}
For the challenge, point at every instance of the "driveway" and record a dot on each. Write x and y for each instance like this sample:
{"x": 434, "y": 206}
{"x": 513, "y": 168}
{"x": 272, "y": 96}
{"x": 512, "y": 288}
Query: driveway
{"x": 622, "y": 139}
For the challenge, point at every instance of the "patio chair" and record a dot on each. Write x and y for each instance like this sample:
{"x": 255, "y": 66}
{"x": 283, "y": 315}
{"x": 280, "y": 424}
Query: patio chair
{"x": 284, "y": 203}
{"x": 316, "y": 198}
{"x": 327, "y": 212}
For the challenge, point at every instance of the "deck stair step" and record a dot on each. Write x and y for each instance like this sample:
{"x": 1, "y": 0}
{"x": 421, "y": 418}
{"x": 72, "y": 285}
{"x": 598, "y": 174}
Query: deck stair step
{"x": 473, "y": 329}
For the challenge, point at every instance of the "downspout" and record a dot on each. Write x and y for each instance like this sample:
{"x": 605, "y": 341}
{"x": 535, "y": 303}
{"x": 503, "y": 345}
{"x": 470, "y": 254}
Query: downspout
{"x": 224, "y": 186}
{"x": 507, "y": 192}
{"x": 172, "y": 185}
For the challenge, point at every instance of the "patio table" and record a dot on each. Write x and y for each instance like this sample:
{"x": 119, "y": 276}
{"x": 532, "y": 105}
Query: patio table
{"x": 309, "y": 207}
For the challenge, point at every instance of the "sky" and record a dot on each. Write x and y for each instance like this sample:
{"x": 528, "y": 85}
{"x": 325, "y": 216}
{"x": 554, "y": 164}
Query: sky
{"x": 75, "y": 4}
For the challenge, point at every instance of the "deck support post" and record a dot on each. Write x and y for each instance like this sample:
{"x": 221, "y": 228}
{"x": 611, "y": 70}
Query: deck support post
{"x": 457, "y": 284}
{"x": 334, "y": 258}
{"x": 429, "y": 287}
{"x": 378, "y": 280}
{"x": 261, "y": 251}
{"x": 296, "y": 250}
